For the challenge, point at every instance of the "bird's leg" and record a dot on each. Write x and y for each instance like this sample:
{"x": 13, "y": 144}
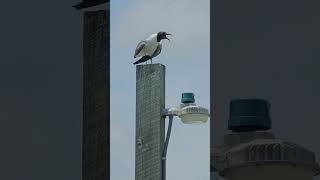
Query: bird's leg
{"x": 151, "y": 60}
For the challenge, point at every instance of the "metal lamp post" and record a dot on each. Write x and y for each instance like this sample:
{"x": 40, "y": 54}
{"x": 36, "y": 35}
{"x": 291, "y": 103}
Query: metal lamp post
{"x": 189, "y": 113}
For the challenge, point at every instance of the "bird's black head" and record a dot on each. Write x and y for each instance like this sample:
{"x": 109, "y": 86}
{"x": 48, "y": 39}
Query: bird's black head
{"x": 162, "y": 35}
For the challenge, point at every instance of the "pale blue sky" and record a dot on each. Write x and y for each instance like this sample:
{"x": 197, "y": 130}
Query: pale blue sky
{"x": 187, "y": 61}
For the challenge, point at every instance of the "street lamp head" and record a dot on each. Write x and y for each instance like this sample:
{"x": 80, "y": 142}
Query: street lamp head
{"x": 188, "y": 112}
{"x": 192, "y": 114}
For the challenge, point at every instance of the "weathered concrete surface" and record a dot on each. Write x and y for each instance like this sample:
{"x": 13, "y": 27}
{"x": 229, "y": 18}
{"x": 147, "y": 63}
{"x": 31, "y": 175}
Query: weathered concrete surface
{"x": 150, "y": 125}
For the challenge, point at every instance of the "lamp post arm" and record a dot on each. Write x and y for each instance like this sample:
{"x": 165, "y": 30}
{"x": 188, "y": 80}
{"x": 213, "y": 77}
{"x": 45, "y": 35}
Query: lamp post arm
{"x": 174, "y": 111}
{"x": 165, "y": 147}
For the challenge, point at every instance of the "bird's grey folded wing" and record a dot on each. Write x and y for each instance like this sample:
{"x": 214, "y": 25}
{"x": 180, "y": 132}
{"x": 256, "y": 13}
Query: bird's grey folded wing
{"x": 140, "y": 46}
{"x": 157, "y": 51}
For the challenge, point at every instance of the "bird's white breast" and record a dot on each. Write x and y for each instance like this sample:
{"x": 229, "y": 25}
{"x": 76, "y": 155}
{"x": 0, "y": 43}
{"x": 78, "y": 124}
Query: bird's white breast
{"x": 151, "y": 45}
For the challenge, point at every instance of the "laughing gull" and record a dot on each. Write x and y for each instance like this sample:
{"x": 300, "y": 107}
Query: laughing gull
{"x": 150, "y": 47}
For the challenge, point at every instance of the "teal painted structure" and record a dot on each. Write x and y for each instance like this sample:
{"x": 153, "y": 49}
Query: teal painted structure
{"x": 249, "y": 115}
{"x": 187, "y": 98}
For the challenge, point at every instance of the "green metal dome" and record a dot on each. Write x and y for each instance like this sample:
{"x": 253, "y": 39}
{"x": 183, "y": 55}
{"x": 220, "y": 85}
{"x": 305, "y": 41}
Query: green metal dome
{"x": 187, "y": 98}
{"x": 249, "y": 115}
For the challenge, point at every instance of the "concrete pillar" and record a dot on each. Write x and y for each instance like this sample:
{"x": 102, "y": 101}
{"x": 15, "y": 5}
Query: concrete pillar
{"x": 150, "y": 124}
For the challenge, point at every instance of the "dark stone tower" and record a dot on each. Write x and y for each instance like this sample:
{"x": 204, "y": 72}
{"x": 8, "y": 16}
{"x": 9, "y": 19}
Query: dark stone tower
{"x": 96, "y": 92}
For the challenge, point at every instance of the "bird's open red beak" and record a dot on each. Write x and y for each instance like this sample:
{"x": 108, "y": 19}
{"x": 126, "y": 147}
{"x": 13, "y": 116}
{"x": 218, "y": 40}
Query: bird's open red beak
{"x": 167, "y": 37}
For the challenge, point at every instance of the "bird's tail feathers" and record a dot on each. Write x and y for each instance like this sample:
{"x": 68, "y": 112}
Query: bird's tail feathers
{"x": 143, "y": 59}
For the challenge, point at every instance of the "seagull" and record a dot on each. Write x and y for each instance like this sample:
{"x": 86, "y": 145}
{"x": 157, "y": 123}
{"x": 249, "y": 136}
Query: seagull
{"x": 150, "y": 47}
